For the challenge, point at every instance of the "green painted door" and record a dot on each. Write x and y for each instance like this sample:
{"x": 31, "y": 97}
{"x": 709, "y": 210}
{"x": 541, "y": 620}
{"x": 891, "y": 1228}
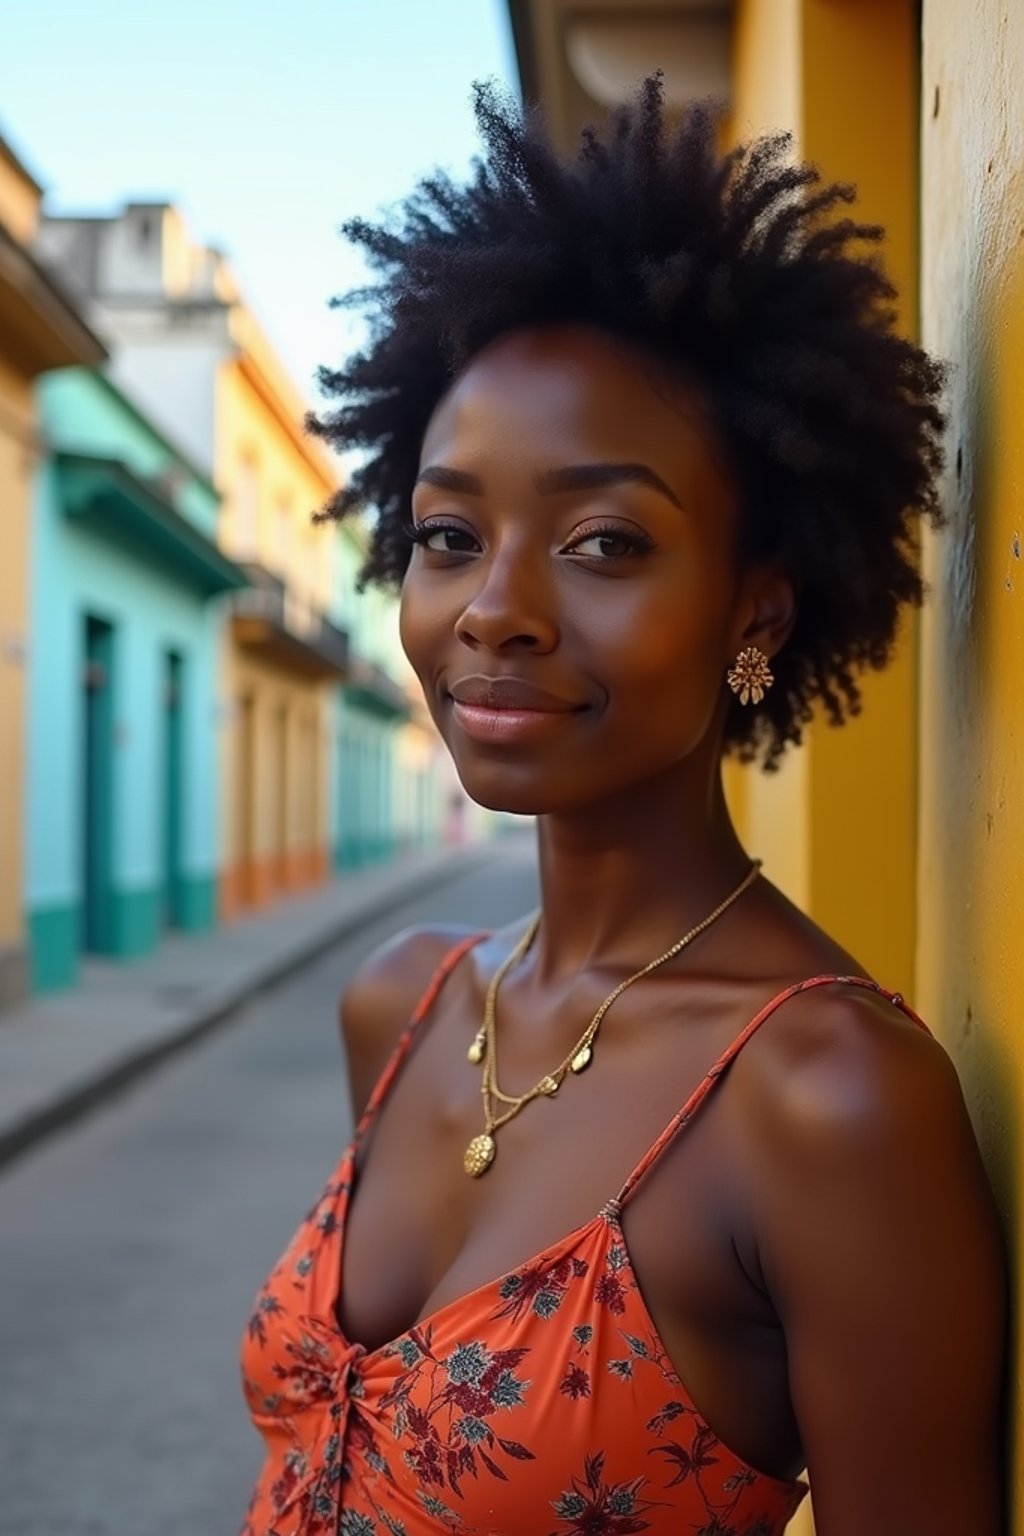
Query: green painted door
{"x": 173, "y": 790}
{"x": 97, "y": 785}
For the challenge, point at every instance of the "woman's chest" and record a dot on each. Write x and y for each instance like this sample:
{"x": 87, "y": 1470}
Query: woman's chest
{"x": 421, "y": 1234}
{"x": 421, "y": 1231}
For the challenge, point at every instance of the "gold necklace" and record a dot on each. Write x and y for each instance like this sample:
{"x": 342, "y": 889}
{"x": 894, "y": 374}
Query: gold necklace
{"x": 479, "y": 1155}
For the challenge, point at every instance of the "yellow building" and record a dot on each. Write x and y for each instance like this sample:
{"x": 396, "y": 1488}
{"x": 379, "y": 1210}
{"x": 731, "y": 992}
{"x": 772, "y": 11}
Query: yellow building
{"x": 39, "y": 329}
{"x": 922, "y": 796}
{"x": 189, "y": 352}
{"x": 283, "y": 657}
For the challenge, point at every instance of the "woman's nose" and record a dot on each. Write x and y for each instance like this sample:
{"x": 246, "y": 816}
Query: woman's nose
{"x": 510, "y": 609}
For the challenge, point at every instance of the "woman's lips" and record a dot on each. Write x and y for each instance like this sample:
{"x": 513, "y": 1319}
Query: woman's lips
{"x": 485, "y": 724}
{"x": 507, "y": 708}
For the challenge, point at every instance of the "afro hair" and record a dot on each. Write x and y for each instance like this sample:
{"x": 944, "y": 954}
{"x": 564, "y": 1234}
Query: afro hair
{"x": 733, "y": 270}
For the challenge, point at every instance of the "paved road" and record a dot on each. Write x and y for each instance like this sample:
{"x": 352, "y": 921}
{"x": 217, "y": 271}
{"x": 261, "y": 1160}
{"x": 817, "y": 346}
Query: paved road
{"x": 132, "y": 1244}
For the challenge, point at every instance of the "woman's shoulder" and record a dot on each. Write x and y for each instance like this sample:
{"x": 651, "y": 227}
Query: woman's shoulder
{"x": 841, "y": 1056}
{"x": 382, "y": 995}
{"x": 840, "y": 1049}
{"x": 403, "y": 966}
{"x": 842, "y": 1074}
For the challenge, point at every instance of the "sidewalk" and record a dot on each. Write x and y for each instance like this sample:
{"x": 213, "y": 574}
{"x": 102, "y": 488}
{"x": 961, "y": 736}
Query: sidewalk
{"x": 62, "y": 1053}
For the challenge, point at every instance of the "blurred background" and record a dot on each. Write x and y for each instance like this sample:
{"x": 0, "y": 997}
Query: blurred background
{"x": 210, "y": 717}
{"x": 218, "y": 782}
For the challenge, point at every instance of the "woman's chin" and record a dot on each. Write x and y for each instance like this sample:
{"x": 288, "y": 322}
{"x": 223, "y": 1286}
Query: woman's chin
{"x": 499, "y": 791}
{"x": 494, "y": 799}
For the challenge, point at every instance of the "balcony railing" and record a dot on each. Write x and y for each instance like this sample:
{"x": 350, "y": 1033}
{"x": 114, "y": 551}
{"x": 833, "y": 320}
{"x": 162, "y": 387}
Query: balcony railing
{"x": 376, "y": 688}
{"x": 265, "y": 594}
{"x": 272, "y": 616}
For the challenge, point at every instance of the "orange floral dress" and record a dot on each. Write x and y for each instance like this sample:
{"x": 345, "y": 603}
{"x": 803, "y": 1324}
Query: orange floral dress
{"x": 541, "y": 1404}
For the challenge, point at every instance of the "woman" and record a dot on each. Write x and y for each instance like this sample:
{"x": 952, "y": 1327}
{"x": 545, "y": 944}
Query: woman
{"x": 649, "y": 461}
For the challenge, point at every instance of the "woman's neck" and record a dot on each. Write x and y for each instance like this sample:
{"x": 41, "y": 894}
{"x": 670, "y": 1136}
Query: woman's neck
{"x": 621, "y": 881}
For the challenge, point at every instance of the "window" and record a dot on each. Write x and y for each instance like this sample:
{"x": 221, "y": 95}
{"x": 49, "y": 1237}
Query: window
{"x": 247, "y": 510}
{"x": 283, "y": 535}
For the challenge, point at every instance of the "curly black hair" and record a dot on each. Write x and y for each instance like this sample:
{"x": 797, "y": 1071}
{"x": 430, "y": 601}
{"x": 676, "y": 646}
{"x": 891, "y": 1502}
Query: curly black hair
{"x": 732, "y": 270}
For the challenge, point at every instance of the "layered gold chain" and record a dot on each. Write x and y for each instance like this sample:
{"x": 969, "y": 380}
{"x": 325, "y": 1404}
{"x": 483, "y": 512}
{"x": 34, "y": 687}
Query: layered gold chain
{"x": 479, "y": 1154}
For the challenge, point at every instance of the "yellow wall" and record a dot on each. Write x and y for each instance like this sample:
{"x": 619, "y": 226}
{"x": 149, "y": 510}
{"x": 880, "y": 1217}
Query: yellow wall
{"x": 268, "y": 846}
{"x": 838, "y": 825}
{"x": 275, "y": 836}
{"x": 17, "y": 454}
{"x": 285, "y": 475}
{"x": 19, "y": 212}
{"x": 970, "y": 964}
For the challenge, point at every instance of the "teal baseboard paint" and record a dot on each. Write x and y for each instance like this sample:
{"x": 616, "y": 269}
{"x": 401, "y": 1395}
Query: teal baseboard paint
{"x": 197, "y": 903}
{"x": 132, "y": 925}
{"x": 351, "y": 853}
{"x": 135, "y": 926}
{"x": 53, "y": 942}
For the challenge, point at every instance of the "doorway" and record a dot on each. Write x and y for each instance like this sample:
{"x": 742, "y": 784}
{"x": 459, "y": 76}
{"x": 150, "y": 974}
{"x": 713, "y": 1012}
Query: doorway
{"x": 245, "y": 747}
{"x": 173, "y": 810}
{"x": 97, "y": 780}
{"x": 281, "y": 808}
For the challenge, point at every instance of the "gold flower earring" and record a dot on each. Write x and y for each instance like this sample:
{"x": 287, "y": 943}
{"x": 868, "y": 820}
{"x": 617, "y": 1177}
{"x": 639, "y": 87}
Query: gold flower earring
{"x": 751, "y": 677}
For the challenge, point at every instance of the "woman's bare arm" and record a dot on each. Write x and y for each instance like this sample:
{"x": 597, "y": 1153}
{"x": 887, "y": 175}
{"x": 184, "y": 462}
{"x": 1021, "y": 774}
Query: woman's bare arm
{"x": 882, "y": 1251}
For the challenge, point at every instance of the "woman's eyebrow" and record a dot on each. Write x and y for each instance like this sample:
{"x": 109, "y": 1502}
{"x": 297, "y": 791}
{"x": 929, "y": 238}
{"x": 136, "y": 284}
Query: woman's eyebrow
{"x": 590, "y": 477}
{"x": 571, "y": 477}
{"x": 450, "y": 480}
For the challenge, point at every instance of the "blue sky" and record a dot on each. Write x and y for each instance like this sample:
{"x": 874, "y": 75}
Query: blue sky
{"x": 267, "y": 121}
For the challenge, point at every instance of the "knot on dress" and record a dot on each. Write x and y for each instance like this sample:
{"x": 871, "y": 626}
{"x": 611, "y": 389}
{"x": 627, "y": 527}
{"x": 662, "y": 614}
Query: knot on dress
{"x": 312, "y": 1409}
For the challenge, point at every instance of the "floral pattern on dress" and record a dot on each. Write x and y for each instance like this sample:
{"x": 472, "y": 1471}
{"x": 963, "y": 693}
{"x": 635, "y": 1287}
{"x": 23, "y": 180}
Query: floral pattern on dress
{"x": 541, "y": 1287}
{"x": 429, "y": 1431}
{"x": 594, "y": 1507}
{"x": 466, "y": 1395}
{"x": 542, "y": 1403}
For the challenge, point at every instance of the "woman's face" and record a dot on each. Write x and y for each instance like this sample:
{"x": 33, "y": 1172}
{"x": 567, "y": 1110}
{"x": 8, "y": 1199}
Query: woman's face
{"x": 577, "y": 601}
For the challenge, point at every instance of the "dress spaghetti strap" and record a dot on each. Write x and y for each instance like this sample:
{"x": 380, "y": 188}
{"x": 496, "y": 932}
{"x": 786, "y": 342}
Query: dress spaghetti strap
{"x": 405, "y": 1040}
{"x": 711, "y": 1077}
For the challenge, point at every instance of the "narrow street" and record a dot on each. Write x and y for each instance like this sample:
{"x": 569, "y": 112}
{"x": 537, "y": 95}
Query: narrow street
{"x": 134, "y": 1241}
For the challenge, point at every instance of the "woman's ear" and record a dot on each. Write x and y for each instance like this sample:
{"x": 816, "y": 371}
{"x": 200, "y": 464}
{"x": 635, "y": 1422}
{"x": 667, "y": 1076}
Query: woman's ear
{"x": 767, "y": 610}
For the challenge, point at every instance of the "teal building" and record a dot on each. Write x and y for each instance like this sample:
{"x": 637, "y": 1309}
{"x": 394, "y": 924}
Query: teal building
{"x": 122, "y": 775}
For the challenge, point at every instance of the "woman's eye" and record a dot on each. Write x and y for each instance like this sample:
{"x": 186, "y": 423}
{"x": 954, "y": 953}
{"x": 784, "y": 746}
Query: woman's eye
{"x": 444, "y": 538}
{"x": 609, "y": 544}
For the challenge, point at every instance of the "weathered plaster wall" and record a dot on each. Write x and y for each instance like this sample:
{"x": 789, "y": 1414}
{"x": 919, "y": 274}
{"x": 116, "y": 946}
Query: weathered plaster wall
{"x": 970, "y": 961}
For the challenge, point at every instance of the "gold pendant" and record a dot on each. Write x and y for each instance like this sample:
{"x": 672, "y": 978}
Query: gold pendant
{"x": 476, "y": 1051}
{"x": 581, "y": 1059}
{"x": 479, "y": 1155}
{"x": 548, "y": 1085}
